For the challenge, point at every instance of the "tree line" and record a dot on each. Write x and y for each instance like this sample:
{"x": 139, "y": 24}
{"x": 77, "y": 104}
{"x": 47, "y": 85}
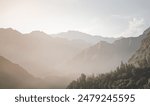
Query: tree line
{"x": 126, "y": 76}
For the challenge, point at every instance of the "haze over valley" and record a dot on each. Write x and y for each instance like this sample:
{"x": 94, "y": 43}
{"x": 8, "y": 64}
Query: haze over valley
{"x": 57, "y": 60}
{"x": 74, "y": 43}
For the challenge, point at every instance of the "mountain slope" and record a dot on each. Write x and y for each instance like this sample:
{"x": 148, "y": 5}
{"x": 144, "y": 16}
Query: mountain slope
{"x": 37, "y": 51}
{"x": 123, "y": 77}
{"x": 142, "y": 56}
{"x": 104, "y": 56}
{"x": 133, "y": 75}
{"x": 14, "y": 76}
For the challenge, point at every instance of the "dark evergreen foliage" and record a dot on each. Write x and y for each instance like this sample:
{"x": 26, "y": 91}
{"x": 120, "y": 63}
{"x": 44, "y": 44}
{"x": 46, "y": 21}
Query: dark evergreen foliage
{"x": 124, "y": 77}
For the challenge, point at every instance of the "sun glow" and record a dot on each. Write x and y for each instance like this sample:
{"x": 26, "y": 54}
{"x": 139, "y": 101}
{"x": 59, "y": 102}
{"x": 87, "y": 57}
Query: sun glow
{"x": 54, "y": 16}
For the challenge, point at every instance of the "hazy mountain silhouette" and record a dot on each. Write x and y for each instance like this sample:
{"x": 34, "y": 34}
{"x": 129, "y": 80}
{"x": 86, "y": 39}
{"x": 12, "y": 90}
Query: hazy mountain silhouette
{"x": 104, "y": 56}
{"x": 58, "y": 60}
{"x": 132, "y": 75}
{"x": 14, "y": 76}
{"x": 76, "y": 35}
{"x": 37, "y": 51}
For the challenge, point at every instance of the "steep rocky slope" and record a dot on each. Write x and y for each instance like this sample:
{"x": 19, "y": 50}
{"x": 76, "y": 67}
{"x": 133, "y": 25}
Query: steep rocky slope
{"x": 142, "y": 56}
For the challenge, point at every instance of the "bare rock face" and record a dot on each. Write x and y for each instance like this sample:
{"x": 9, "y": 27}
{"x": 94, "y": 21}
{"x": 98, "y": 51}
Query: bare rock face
{"x": 142, "y": 56}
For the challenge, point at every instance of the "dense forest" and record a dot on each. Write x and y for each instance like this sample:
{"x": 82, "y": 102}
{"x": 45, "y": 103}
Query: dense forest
{"x": 126, "y": 76}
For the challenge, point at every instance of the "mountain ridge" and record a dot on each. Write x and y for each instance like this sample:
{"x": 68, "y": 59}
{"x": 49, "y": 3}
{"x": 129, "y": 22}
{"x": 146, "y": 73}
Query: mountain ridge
{"x": 141, "y": 58}
{"x": 27, "y": 49}
{"x": 14, "y": 76}
{"x": 95, "y": 58}
{"x": 92, "y": 39}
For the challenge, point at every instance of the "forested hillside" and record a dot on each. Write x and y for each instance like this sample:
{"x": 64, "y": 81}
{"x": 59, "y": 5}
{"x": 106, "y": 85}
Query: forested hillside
{"x": 124, "y": 77}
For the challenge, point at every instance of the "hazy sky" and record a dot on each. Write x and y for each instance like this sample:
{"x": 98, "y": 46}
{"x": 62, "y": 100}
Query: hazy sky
{"x": 111, "y": 18}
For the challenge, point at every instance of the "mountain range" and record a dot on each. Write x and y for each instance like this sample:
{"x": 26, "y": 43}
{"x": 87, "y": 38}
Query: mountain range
{"x": 37, "y": 51}
{"x": 58, "y": 59}
{"x": 135, "y": 74}
{"x": 103, "y": 56}
{"x": 91, "y": 39}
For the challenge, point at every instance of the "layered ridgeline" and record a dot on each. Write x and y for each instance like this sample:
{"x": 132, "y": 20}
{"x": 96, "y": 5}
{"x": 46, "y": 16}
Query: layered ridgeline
{"x": 37, "y": 51}
{"x": 41, "y": 54}
{"x": 103, "y": 57}
{"x": 59, "y": 60}
{"x": 135, "y": 74}
{"x": 76, "y": 35}
{"x": 14, "y": 76}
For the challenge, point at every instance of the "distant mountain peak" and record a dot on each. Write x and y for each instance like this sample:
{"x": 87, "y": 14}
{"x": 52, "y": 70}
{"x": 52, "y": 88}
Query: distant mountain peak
{"x": 39, "y": 34}
{"x": 10, "y": 30}
{"x": 77, "y": 35}
{"x": 77, "y": 32}
{"x": 74, "y": 31}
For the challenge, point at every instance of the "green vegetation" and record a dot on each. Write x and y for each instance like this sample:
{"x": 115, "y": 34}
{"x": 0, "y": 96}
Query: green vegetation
{"x": 124, "y": 77}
